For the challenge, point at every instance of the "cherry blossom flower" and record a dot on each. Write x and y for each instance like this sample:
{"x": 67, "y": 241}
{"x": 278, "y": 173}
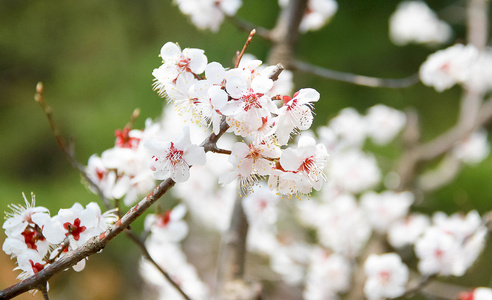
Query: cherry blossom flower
{"x": 250, "y": 103}
{"x": 249, "y": 158}
{"x": 480, "y": 293}
{"x": 76, "y": 222}
{"x": 387, "y": 276}
{"x": 354, "y": 171}
{"x": 473, "y": 149}
{"x": 169, "y": 226}
{"x": 318, "y": 13}
{"x": 447, "y": 67}
{"x": 406, "y": 231}
{"x": 309, "y": 159}
{"x": 386, "y": 208}
{"x": 384, "y": 123}
{"x": 350, "y": 128}
{"x": 327, "y": 275}
{"x": 452, "y": 245}
{"x": 21, "y": 217}
{"x": 295, "y": 113}
{"x": 344, "y": 227}
{"x": 208, "y": 14}
{"x": 290, "y": 262}
{"x": 415, "y": 22}
{"x": 176, "y": 62}
{"x": 30, "y": 263}
{"x": 173, "y": 160}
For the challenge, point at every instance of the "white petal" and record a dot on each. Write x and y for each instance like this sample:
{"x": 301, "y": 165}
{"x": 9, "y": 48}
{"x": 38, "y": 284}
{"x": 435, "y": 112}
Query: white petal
{"x": 170, "y": 51}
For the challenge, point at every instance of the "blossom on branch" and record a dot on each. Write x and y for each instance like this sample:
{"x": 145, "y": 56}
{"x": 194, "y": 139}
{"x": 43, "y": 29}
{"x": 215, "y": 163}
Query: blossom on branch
{"x": 173, "y": 160}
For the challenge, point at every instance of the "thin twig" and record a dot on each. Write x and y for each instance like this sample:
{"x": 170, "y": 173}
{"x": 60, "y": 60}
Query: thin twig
{"x": 141, "y": 245}
{"x": 69, "y": 153}
{"x": 44, "y": 290}
{"x": 419, "y": 284}
{"x": 356, "y": 79}
{"x": 248, "y": 41}
{"x": 246, "y": 26}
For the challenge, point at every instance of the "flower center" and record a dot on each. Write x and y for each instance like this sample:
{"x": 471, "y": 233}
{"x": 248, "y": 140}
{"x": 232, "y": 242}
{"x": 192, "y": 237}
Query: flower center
{"x": 174, "y": 156}
{"x": 75, "y": 229}
{"x": 251, "y": 100}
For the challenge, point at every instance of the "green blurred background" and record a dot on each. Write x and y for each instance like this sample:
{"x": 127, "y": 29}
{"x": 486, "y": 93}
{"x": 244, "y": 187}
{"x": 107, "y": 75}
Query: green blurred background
{"x": 95, "y": 59}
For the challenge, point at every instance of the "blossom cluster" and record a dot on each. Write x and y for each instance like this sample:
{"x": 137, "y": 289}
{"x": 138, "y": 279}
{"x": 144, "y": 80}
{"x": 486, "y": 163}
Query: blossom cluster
{"x": 209, "y": 14}
{"x": 415, "y": 22}
{"x": 253, "y": 106}
{"x": 36, "y": 239}
{"x": 458, "y": 64}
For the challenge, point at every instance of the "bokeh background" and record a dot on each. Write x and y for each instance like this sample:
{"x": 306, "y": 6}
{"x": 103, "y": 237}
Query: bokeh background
{"x": 95, "y": 59}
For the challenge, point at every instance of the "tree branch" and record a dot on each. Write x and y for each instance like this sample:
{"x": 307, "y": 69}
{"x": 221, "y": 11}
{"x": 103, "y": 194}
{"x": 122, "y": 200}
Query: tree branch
{"x": 355, "y": 79}
{"x": 96, "y": 244}
{"x": 286, "y": 33}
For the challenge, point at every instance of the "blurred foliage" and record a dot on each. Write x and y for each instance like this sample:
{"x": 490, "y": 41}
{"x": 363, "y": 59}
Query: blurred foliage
{"x": 95, "y": 59}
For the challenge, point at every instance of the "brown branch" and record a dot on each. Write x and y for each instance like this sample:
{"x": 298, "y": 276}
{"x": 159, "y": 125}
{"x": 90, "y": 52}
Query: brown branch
{"x": 286, "y": 33}
{"x": 477, "y": 27}
{"x": 356, "y": 79}
{"x": 96, "y": 244}
{"x": 92, "y": 246}
{"x": 71, "y": 158}
{"x": 230, "y": 276}
{"x": 44, "y": 291}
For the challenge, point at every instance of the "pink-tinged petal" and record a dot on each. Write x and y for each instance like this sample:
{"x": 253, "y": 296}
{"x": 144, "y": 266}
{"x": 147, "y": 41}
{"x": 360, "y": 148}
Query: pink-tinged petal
{"x": 307, "y": 95}
{"x": 239, "y": 151}
{"x": 263, "y": 166}
{"x": 307, "y": 143}
{"x": 253, "y": 119}
{"x": 165, "y": 74}
{"x": 230, "y": 7}
{"x": 218, "y": 97}
{"x": 177, "y": 231}
{"x": 232, "y": 107}
{"x": 261, "y": 84}
{"x": 184, "y": 81}
{"x": 215, "y": 72}
{"x": 184, "y": 140}
{"x": 198, "y": 60}
{"x": 156, "y": 147}
{"x": 178, "y": 212}
{"x": 40, "y": 219}
{"x": 54, "y": 232}
{"x": 170, "y": 51}
{"x": 235, "y": 86}
{"x": 216, "y": 120}
{"x": 13, "y": 246}
{"x": 245, "y": 167}
{"x": 284, "y": 129}
{"x": 304, "y": 117}
{"x": 194, "y": 155}
{"x": 181, "y": 172}
{"x": 290, "y": 160}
